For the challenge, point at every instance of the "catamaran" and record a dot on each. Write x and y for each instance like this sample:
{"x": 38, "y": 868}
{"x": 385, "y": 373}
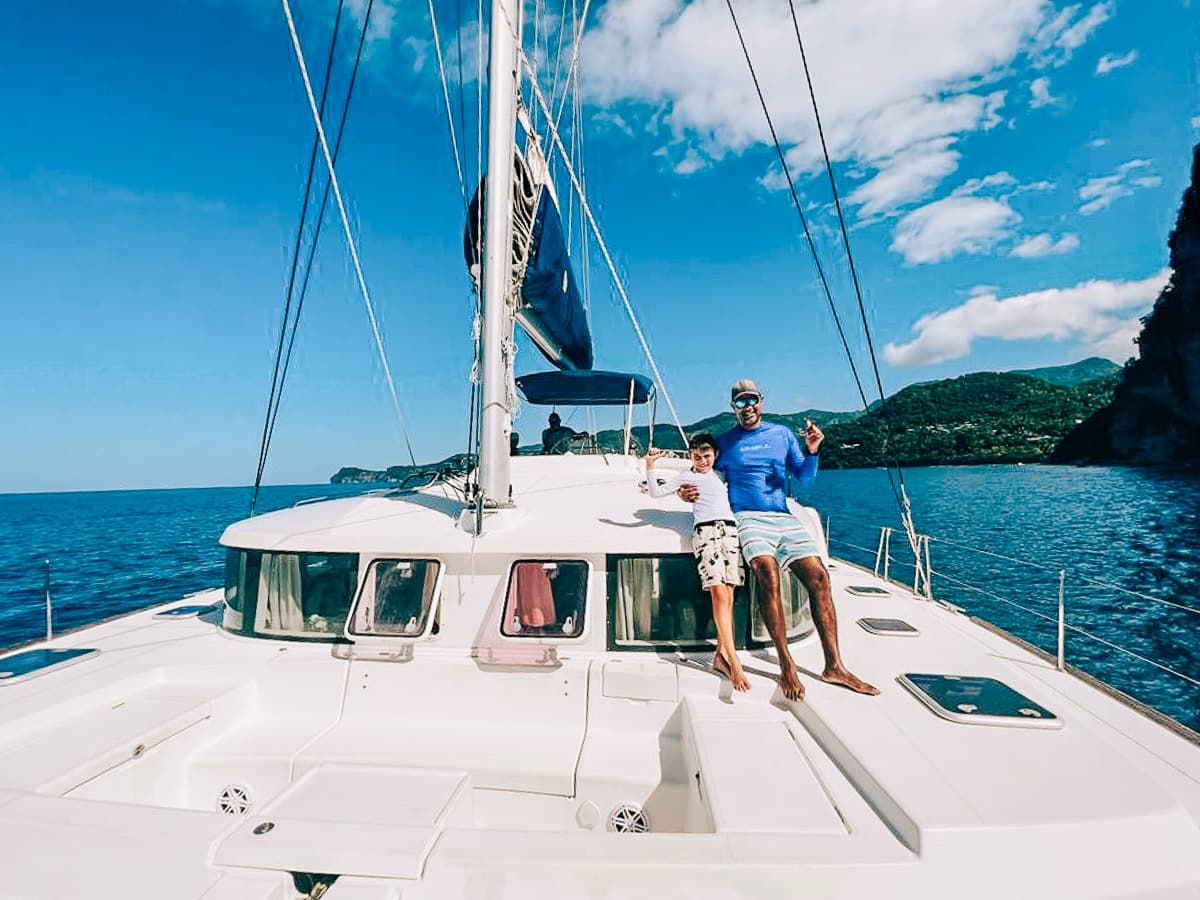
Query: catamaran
{"x": 495, "y": 681}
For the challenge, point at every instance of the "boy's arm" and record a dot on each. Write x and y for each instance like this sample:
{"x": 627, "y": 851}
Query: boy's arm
{"x": 671, "y": 482}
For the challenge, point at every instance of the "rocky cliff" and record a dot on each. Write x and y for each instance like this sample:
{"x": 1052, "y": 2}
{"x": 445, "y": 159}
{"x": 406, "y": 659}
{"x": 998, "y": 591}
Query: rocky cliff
{"x": 1154, "y": 416}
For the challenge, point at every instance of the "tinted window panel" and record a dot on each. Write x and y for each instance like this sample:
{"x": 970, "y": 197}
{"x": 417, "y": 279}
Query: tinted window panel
{"x": 545, "y": 598}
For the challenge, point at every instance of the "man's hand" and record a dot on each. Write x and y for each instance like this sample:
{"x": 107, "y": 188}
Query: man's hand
{"x": 653, "y": 455}
{"x": 688, "y": 493}
{"x": 813, "y": 436}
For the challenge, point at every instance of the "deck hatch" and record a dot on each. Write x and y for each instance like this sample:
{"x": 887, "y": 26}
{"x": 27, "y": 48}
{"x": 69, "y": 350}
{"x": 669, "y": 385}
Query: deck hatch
{"x": 976, "y": 700}
{"x": 184, "y": 612}
{"x": 894, "y": 627}
{"x": 867, "y": 590}
{"x": 32, "y": 663}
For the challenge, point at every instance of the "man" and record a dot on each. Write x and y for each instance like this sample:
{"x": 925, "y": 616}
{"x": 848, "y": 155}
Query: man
{"x": 557, "y": 438}
{"x": 756, "y": 457}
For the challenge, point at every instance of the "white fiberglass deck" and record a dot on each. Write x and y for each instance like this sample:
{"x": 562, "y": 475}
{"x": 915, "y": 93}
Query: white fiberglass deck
{"x": 446, "y": 776}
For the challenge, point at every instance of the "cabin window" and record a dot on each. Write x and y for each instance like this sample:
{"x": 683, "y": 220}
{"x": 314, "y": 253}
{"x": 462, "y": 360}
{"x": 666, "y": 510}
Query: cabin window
{"x": 545, "y": 598}
{"x": 396, "y": 598}
{"x": 303, "y": 595}
{"x": 656, "y": 603}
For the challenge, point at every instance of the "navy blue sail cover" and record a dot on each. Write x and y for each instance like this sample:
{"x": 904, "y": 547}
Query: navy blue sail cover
{"x": 584, "y": 388}
{"x": 551, "y": 309}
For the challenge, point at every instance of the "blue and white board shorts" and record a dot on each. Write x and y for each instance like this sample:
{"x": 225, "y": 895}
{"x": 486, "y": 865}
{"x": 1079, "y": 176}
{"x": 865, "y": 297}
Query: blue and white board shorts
{"x": 777, "y": 534}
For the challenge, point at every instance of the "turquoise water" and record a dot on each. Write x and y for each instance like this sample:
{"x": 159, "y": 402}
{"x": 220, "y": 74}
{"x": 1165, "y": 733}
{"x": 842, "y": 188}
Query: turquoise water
{"x": 116, "y": 551}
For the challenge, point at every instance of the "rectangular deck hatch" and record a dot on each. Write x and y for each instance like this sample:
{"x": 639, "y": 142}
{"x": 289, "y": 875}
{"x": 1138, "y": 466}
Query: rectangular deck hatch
{"x": 372, "y": 821}
{"x": 976, "y": 700}
{"x": 32, "y": 663}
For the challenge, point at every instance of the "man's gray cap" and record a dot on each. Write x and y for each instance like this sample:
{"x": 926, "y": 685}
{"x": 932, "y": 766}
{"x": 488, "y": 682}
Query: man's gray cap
{"x": 744, "y": 386}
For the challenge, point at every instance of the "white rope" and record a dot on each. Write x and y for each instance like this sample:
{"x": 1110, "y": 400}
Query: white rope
{"x": 337, "y": 193}
{"x": 437, "y": 46}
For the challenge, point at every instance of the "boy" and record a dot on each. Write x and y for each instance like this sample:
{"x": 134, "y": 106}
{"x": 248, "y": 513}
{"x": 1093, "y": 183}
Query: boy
{"x": 714, "y": 543}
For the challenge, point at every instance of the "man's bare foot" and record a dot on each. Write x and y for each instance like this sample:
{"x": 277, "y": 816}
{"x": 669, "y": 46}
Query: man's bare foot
{"x": 734, "y": 672}
{"x": 789, "y": 683}
{"x": 842, "y": 677}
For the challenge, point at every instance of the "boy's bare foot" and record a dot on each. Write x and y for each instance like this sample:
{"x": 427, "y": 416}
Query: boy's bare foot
{"x": 734, "y": 672}
{"x": 789, "y": 683}
{"x": 840, "y": 676}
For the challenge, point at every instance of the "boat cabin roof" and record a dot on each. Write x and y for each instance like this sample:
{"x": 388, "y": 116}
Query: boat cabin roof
{"x": 562, "y": 505}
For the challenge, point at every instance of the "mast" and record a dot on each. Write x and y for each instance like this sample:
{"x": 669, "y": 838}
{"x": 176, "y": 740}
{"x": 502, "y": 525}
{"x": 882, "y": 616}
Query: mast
{"x": 497, "y": 333}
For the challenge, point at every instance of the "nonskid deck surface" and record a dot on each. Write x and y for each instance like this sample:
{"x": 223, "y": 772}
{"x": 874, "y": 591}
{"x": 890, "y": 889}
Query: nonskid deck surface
{"x": 442, "y": 776}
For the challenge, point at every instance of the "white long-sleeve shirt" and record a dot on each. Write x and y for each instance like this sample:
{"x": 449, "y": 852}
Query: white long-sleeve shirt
{"x": 713, "y": 503}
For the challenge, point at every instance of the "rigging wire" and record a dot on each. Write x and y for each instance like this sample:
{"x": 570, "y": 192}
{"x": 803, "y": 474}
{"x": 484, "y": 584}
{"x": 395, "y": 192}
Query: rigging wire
{"x": 351, "y": 243}
{"x": 807, "y": 233}
{"x": 312, "y": 250}
{"x": 437, "y": 46}
{"x": 276, "y": 381}
{"x": 905, "y": 506}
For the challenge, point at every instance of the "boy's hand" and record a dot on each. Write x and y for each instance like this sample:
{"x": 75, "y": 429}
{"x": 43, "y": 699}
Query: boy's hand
{"x": 652, "y": 456}
{"x": 688, "y": 493}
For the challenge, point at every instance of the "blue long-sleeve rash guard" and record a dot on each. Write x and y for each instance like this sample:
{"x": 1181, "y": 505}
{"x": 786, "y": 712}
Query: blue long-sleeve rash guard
{"x": 756, "y": 465}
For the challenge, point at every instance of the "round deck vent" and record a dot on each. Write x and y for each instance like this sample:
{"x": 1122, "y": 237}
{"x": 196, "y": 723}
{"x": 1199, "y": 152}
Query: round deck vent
{"x": 234, "y": 800}
{"x": 628, "y": 819}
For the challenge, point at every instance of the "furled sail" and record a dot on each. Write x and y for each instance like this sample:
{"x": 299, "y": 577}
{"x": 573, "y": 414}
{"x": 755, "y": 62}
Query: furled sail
{"x": 550, "y": 308}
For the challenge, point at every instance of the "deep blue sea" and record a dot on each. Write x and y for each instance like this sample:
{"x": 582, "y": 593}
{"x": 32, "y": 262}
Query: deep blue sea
{"x": 1113, "y": 530}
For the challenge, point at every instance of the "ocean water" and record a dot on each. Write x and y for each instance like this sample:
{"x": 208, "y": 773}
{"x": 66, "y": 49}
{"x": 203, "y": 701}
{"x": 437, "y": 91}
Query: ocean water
{"x": 1118, "y": 534}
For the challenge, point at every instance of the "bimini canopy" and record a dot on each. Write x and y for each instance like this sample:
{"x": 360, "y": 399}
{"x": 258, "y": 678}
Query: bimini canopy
{"x": 551, "y": 309}
{"x": 590, "y": 388}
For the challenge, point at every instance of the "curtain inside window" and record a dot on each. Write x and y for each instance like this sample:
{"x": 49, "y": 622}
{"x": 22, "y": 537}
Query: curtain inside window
{"x": 279, "y": 607}
{"x": 637, "y": 599}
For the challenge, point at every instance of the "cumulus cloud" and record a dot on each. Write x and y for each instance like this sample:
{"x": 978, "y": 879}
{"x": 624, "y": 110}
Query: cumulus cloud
{"x": 963, "y": 222}
{"x": 1039, "y": 93}
{"x": 1045, "y": 245}
{"x": 1095, "y": 313}
{"x": 1108, "y": 62}
{"x": 1100, "y": 193}
{"x": 894, "y": 115}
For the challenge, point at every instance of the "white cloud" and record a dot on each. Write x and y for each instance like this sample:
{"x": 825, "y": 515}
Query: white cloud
{"x": 691, "y": 163}
{"x": 953, "y": 225}
{"x": 605, "y": 118}
{"x": 1096, "y": 313}
{"x": 1100, "y": 193}
{"x": 1098, "y": 143}
{"x": 905, "y": 177}
{"x": 893, "y": 114}
{"x": 961, "y": 222}
{"x": 1108, "y": 62}
{"x": 1045, "y": 245}
{"x": 1195, "y": 122}
{"x": 1057, "y": 39}
{"x": 1039, "y": 93}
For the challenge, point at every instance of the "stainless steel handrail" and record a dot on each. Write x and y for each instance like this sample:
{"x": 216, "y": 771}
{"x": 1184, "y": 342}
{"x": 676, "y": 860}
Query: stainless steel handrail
{"x": 884, "y": 558}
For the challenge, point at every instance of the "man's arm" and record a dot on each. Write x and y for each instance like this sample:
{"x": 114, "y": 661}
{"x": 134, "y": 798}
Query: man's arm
{"x": 803, "y": 466}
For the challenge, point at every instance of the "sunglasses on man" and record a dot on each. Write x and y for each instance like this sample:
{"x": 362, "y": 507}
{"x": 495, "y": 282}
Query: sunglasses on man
{"x": 744, "y": 402}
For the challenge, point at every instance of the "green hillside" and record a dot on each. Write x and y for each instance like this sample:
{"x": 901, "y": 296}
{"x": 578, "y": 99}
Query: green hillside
{"x": 987, "y": 417}
{"x": 1076, "y": 373}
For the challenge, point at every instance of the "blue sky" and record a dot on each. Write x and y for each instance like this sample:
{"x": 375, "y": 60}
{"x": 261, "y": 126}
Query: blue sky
{"x": 1010, "y": 174}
